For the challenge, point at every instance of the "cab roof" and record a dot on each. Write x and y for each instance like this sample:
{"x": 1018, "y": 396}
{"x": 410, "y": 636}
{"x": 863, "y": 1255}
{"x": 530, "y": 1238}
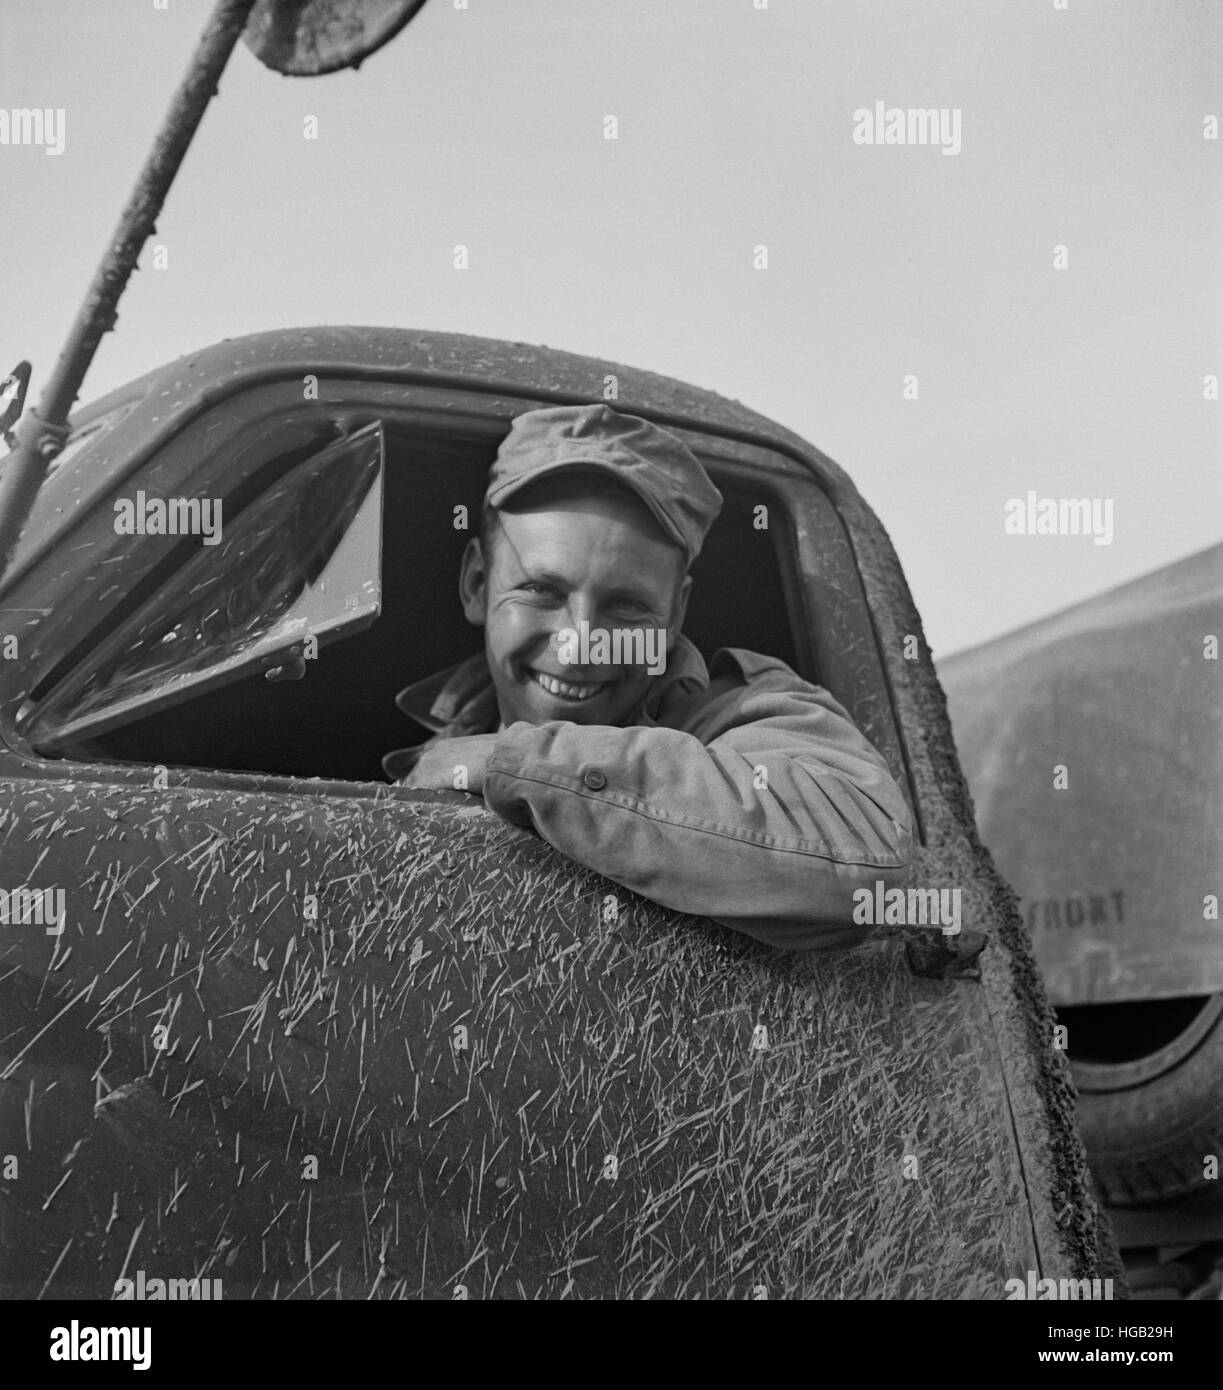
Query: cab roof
{"x": 162, "y": 401}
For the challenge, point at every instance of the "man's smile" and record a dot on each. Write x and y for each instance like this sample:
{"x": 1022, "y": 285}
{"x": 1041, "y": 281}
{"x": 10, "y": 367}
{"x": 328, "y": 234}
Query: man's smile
{"x": 576, "y": 691}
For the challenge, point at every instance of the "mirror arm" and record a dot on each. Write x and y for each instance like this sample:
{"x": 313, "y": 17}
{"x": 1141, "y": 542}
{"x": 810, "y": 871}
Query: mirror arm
{"x": 42, "y": 433}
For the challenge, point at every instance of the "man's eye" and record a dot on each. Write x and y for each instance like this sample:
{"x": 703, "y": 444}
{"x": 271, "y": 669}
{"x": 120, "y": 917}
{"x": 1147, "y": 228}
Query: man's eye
{"x": 542, "y": 590}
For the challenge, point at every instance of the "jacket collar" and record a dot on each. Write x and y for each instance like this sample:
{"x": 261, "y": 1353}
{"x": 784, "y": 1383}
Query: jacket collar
{"x": 463, "y": 700}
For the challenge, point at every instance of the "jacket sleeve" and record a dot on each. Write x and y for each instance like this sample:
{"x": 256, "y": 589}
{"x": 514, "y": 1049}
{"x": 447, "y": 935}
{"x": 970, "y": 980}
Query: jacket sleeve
{"x": 768, "y": 821}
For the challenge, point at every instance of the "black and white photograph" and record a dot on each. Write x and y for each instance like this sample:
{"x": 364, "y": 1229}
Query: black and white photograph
{"x": 609, "y": 667}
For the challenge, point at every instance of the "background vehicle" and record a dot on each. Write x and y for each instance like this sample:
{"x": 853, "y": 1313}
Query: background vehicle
{"x": 314, "y": 1034}
{"x": 1119, "y": 869}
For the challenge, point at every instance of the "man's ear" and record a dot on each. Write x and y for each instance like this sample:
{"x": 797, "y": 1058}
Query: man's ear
{"x": 679, "y": 611}
{"x": 473, "y": 582}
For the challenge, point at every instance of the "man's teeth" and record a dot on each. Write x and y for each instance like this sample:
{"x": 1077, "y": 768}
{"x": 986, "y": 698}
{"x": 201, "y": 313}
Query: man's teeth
{"x": 566, "y": 689}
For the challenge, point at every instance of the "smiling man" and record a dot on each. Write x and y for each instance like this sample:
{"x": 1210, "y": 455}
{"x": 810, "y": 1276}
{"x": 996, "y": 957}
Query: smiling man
{"x": 736, "y": 791}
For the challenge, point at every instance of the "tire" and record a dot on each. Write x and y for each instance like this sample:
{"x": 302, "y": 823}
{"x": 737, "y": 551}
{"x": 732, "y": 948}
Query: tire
{"x": 1150, "y": 1083}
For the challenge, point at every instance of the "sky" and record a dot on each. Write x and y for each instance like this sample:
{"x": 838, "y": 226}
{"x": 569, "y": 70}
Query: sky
{"x": 915, "y": 319}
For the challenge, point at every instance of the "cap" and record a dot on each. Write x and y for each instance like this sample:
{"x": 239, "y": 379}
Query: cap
{"x": 651, "y": 462}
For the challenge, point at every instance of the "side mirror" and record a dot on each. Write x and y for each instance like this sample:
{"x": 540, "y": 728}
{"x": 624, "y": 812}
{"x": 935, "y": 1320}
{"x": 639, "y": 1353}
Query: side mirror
{"x": 306, "y": 38}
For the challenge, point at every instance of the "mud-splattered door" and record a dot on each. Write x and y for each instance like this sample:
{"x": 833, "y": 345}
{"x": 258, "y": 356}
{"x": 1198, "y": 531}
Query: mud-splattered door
{"x": 314, "y": 1046}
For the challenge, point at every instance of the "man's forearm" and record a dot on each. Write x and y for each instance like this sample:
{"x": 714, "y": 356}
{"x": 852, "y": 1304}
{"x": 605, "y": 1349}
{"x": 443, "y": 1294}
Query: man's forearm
{"x": 770, "y": 843}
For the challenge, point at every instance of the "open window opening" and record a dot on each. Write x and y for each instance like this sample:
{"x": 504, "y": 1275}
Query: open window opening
{"x": 339, "y": 718}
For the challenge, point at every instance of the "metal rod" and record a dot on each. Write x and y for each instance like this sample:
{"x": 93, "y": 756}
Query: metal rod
{"x": 41, "y": 433}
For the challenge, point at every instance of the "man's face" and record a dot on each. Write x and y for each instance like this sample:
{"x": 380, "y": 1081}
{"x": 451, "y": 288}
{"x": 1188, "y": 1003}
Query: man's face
{"x": 595, "y": 558}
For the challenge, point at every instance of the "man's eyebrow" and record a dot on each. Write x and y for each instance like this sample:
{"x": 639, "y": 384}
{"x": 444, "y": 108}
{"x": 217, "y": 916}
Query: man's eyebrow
{"x": 540, "y": 576}
{"x": 642, "y": 596}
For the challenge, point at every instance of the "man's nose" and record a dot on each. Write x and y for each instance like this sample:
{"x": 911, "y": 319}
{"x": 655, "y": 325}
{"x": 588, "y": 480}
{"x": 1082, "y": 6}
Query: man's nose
{"x": 567, "y": 622}
{"x": 577, "y": 610}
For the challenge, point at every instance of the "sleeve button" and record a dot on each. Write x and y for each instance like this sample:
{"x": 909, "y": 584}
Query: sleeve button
{"x": 594, "y": 779}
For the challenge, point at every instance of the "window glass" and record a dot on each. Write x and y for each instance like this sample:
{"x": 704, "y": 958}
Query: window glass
{"x": 303, "y": 560}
